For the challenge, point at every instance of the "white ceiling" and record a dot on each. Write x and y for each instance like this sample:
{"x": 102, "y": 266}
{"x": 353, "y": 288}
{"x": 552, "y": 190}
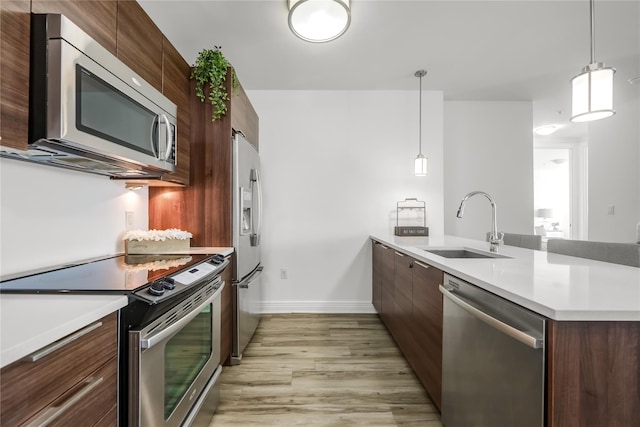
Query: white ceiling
{"x": 472, "y": 50}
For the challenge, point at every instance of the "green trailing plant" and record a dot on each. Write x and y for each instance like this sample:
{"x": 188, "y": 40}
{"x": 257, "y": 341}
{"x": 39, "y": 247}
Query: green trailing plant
{"x": 211, "y": 70}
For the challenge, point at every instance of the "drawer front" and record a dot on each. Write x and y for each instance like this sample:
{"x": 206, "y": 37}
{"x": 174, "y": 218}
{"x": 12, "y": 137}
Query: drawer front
{"x": 27, "y": 387}
{"x": 85, "y": 403}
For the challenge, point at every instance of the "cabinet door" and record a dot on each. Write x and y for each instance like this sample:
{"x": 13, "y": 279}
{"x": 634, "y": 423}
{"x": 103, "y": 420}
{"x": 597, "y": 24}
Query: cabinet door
{"x": 176, "y": 87}
{"x": 226, "y": 315}
{"x": 139, "y": 42}
{"x": 243, "y": 116}
{"x": 14, "y": 73}
{"x": 28, "y": 387}
{"x": 427, "y": 328}
{"x": 387, "y": 304}
{"x": 376, "y": 295}
{"x": 96, "y": 17}
{"x": 403, "y": 296}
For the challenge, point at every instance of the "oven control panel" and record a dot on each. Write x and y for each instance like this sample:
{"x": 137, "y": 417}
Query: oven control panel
{"x": 170, "y": 286}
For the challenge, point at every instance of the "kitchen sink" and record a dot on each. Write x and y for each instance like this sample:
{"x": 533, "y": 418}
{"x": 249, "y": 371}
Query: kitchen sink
{"x": 464, "y": 253}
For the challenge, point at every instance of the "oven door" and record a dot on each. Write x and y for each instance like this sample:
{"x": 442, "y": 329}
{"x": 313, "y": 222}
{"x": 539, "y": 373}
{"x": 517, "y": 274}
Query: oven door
{"x": 173, "y": 359}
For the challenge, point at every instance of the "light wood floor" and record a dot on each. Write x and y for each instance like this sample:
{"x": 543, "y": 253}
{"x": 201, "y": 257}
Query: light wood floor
{"x": 323, "y": 370}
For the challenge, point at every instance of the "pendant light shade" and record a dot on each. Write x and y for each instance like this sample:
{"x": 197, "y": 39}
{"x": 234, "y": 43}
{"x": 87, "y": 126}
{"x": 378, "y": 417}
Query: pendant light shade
{"x": 592, "y": 94}
{"x": 592, "y": 89}
{"x": 420, "y": 166}
{"x": 420, "y": 163}
{"x": 319, "y": 21}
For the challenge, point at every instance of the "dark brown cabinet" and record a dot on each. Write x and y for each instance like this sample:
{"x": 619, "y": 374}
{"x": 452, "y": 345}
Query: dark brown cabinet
{"x": 226, "y": 315}
{"x": 14, "y": 73}
{"x": 98, "y": 18}
{"x": 124, "y": 29}
{"x": 383, "y": 282}
{"x": 70, "y": 383}
{"x": 410, "y": 305}
{"x": 243, "y": 117}
{"x": 139, "y": 42}
{"x": 427, "y": 328}
{"x": 176, "y": 87}
{"x": 593, "y": 374}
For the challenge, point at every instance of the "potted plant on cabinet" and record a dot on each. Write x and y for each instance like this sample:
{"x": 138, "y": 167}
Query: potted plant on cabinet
{"x": 210, "y": 70}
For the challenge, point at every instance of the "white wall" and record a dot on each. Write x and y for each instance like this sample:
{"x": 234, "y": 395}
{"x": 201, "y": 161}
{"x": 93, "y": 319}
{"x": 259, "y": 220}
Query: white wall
{"x": 614, "y": 174}
{"x": 488, "y": 146}
{"x": 335, "y": 163}
{"x": 50, "y": 216}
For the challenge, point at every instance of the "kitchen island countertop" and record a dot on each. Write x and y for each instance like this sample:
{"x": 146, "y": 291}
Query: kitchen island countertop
{"x": 557, "y": 286}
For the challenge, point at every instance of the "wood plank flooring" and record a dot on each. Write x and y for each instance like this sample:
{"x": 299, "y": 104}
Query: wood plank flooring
{"x": 323, "y": 370}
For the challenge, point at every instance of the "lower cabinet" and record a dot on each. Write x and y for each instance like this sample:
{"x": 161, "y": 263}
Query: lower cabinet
{"x": 226, "y": 314}
{"x": 73, "y": 381}
{"x": 407, "y": 297}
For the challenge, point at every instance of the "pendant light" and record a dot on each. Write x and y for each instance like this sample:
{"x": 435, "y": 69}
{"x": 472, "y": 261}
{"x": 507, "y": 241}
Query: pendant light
{"x": 420, "y": 166}
{"x": 592, "y": 89}
{"x": 319, "y": 21}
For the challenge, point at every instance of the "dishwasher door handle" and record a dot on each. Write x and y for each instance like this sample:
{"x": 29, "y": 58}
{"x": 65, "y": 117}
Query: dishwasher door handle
{"x": 523, "y": 337}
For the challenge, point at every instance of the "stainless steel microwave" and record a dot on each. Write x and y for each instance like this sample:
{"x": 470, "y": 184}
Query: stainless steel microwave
{"x": 89, "y": 111}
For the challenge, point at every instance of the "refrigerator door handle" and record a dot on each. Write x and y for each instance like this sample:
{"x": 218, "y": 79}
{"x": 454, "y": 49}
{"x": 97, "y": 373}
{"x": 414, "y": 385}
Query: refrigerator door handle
{"x": 251, "y": 279}
{"x": 256, "y": 186}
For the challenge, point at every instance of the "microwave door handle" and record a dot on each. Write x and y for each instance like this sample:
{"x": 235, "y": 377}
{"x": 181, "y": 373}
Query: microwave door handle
{"x": 155, "y": 141}
{"x": 169, "y": 136}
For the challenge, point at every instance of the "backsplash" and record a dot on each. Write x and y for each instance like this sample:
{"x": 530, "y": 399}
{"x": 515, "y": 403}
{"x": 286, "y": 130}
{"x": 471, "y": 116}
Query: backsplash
{"x": 50, "y": 216}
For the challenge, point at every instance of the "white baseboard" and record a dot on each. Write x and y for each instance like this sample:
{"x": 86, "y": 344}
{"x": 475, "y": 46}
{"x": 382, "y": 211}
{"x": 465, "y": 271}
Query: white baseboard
{"x": 351, "y": 307}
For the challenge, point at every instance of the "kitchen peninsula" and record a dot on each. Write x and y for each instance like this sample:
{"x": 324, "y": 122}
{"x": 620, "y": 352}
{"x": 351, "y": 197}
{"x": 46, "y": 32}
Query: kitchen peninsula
{"x": 592, "y": 309}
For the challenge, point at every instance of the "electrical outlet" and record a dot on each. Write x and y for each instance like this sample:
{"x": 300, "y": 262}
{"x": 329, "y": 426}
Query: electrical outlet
{"x": 611, "y": 210}
{"x": 128, "y": 219}
{"x": 284, "y": 274}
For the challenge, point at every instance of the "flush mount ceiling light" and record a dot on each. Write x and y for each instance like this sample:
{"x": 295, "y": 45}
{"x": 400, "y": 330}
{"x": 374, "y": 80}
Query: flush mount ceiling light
{"x": 319, "y": 21}
{"x": 420, "y": 166}
{"x": 546, "y": 129}
{"x": 592, "y": 89}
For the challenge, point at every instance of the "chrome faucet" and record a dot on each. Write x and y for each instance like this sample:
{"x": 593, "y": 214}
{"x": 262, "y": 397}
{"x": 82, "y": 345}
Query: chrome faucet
{"x": 495, "y": 238}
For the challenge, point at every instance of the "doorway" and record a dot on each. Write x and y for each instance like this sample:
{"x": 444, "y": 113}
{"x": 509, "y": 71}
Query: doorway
{"x": 560, "y": 189}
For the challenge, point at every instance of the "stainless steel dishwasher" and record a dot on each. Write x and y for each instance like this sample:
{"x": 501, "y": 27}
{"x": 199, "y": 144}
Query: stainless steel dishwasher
{"x": 493, "y": 360}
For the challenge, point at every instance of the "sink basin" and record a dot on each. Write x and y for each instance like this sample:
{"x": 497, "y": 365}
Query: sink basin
{"x": 463, "y": 253}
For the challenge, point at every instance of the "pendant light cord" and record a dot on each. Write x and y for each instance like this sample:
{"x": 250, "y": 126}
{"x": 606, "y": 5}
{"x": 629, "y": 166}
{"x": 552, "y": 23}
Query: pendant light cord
{"x": 420, "y": 118}
{"x": 593, "y": 31}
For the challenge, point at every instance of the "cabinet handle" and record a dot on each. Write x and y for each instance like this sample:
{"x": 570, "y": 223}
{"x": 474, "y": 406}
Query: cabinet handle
{"x": 51, "y": 413}
{"x": 425, "y": 266}
{"x": 383, "y": 246}
{"x": 39, "y": 354}
{"x": 398, "y": 253}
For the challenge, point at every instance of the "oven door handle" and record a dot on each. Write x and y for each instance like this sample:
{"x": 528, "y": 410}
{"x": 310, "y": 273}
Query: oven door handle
{"x": 153, "y": 340}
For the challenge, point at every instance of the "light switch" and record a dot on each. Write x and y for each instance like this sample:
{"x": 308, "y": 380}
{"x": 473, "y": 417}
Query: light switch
{"x": 611, "y": 210}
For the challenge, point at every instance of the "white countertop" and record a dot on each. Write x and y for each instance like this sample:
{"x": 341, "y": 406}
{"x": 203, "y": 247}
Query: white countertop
{"x": 30, "y": 322}
{"x": 557, "y": 286}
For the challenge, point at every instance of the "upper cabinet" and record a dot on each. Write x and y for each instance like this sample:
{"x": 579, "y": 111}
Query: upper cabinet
{"x": 97, "y": 18}
{"x": 14, "y": 73}
{"x": 139, "y": 42}
{"x": 123, "y": 28}
{"x": 176, "y": 87}
{"x": 243, "y": 117}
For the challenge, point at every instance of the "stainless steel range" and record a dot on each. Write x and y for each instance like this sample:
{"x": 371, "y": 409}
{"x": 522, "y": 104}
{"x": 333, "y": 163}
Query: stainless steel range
{"x": 169, "y": 346}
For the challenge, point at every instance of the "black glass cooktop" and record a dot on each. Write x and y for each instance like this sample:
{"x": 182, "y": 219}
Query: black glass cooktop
{"x": 122, "y": 273}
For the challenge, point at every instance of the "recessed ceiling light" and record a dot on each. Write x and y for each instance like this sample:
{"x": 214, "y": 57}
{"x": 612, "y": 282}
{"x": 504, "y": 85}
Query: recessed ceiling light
{"x": 546, "y": 129}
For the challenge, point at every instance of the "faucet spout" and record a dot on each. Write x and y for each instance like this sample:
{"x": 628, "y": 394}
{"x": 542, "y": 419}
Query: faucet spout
{"x": 495, "y": 238}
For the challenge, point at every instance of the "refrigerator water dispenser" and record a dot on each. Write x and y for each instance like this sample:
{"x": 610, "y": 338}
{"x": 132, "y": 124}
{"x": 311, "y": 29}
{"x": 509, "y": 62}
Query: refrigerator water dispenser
{"x": 246, "y": 204}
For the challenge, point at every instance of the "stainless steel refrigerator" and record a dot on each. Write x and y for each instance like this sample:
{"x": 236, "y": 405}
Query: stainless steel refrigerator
{"x": 247, "y": 230}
